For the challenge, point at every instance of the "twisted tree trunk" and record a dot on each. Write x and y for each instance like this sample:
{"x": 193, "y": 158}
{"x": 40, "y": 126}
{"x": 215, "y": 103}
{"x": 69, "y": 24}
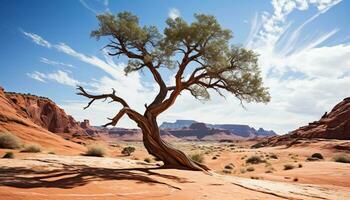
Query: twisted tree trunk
{"x": 162, "y": 150}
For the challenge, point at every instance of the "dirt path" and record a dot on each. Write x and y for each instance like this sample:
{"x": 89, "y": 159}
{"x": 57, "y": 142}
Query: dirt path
{"x": 54, "y": 177}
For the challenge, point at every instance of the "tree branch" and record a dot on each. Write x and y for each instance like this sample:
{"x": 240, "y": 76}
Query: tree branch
{"x": 102, "y": 96}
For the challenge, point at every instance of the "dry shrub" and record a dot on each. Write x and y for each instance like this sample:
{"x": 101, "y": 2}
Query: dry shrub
{"x": 342, "y": 158}
{"x": 32, "y": 148}
{"x": 198, "y": 157}
{"x": 9, "y": 155}
{"x": 9, "y": 141}
{"x": 288, "y": 166}
{"x": 96, "y": 150}
{"x": 254, "y": 160}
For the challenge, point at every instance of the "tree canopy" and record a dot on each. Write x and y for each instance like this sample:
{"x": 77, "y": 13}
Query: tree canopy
{"x": 201, "y": 47}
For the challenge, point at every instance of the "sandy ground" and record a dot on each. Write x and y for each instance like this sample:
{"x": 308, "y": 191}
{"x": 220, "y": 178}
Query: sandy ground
{"x": 43, "y": 176}
{"x": 323, "y": 172}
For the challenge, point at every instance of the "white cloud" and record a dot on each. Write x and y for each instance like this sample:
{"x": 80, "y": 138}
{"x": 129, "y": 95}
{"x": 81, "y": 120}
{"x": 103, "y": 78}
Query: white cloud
{"x": 174, "y": 13}
{"x": 60, "y": 77}
{"x": 37, "y": 39}
{"x": 37, "y": 76}
{"x": 305, "y": 78}
{"x": 52, "y": 62}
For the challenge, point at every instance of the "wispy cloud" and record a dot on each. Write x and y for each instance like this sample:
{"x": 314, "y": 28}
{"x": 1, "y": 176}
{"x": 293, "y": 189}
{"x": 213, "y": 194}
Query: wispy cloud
{"x": 92, "y": 60}
{"x": 52, "y": 62}
{"x": 96, "y": 6}
{"x": 59, "y": 76}
{"x": 300, "y": 72}
{"x": 37, "y": 39}
{"x": 37, "y": 76}
{"x": 174, "y": 13}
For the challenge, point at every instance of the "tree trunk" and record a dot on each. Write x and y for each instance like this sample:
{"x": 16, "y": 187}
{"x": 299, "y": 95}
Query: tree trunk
{"x": 162, "y": 150}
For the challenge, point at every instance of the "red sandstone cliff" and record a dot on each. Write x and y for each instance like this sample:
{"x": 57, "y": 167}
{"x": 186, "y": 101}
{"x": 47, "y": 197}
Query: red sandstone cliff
{"x": 45, "y": 113}
{"x": 332, "y": 125}
{"x": 29, "y": 126}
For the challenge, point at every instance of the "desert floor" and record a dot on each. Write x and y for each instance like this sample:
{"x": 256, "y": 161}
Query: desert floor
{"x": 46, "y": 176}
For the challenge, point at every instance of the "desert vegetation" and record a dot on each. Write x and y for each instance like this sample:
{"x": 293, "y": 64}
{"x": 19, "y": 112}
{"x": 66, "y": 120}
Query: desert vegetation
{"x": 342, "y": 158}
{"x": 315, "y": 157}
{"x": 128, "y": 150}
{"x": 9, "y": 155}
{"x": 254, "y": 160}
{"x": 32, "y": 148}
{"x": 198, "y": 157}
{"x": 9, "y": 141}
{"x": 96, "y": 150}
{"x": 250, "y": 169}
{"x": 288, "y": 166}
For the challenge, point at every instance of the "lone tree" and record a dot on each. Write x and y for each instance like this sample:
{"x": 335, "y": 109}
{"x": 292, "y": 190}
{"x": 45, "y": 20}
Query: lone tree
{"x": 199, "y": 51}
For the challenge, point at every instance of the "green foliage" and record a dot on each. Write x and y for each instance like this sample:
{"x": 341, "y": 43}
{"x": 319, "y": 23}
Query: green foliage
{"x": 9, "y": 141}
{"x": 204, "y": 44}
{"x": 9, "y": 154}
{"x": 342, "y": 158}
{"x": 32, "y": 148}
{"x": 254, "y": 160}
{"x": 96, "y": 150}
{"x": 198, "y": 157}
{"x": 128, "y": 150}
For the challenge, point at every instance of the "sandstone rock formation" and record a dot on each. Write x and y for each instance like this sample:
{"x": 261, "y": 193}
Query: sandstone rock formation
{"x": 236, "y": 130}
{"x": 44, "y": 112}
{"x": 19, "y": 121}
{"x": 332, "y": 125}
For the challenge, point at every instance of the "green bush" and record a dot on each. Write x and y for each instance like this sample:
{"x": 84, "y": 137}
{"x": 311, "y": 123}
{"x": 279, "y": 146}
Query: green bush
{"x": 198, "y": 157}
{"x": 342, "y": 158}
{"x": 9, "y": 155}
{"x": 128, "y": 150}
{"x": 317, "y": 155}
{"x": 32, "y": 148}
{"x": 254, "y": 160}
{"x": 9, "y": 141}
{"x": 95, "y": 150}
{"x": 288, "y": 166}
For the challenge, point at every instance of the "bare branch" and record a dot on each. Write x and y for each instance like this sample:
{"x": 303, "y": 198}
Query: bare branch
{"x": 102, "y": 96}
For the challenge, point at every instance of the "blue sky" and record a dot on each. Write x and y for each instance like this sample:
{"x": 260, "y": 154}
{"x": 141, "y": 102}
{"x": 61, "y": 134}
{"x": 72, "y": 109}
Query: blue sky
{"x": 304, "y": 49}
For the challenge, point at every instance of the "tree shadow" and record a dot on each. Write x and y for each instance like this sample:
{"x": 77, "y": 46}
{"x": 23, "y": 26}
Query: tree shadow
{"x": 71, "y": 176}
